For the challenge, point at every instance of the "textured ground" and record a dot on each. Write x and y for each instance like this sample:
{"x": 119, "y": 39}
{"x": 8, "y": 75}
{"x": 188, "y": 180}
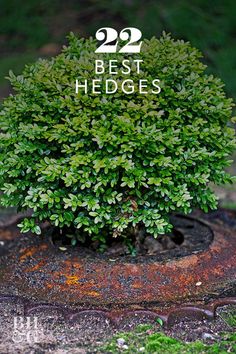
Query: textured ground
{"x": 53, "y": 334}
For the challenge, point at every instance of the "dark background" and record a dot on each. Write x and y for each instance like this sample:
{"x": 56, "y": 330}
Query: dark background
{"x": 32, "y": 28}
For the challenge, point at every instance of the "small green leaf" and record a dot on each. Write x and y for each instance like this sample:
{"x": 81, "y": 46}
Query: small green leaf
{"x": 160, "y": 321}
{"x": 73, "y": 242}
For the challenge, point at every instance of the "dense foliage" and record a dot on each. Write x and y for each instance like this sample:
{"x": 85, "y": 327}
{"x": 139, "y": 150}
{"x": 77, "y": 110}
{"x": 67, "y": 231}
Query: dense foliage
{"x": 108, "y": 163}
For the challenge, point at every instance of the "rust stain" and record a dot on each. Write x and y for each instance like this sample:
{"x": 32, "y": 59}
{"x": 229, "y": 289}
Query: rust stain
{"x": 93, "y": 293}
{"x": 29, "y": 252}
{"x": 187, "y": 262}
{"x": 137, "y": 285}
{"x": 7, "y": 235}
{"x": 49, "y": 286}
{"x": 36, "y": 267}
{"x": 80, "y": 279}
{"x": 71, "y": 280}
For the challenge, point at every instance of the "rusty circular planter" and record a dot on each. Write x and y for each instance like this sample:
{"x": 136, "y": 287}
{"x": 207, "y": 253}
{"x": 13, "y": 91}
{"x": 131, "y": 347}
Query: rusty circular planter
{"x": 34, "y": 268}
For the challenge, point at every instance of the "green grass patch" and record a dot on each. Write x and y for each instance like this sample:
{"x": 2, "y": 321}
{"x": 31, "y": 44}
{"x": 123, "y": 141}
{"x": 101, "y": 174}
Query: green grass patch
{"x": 144, "y": 340}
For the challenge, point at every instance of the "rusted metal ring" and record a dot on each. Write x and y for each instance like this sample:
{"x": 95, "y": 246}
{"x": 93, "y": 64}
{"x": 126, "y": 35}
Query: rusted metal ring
{"x": 37, "y": 270}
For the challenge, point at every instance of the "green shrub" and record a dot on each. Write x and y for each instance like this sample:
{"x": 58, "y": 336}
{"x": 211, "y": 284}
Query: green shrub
{"x": 108, "y": 163}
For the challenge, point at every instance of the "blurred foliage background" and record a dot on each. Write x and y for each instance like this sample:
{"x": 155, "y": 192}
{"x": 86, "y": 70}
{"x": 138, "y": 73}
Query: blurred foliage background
{"x": 35, "y": 28}
{"x": 38, "y": 28}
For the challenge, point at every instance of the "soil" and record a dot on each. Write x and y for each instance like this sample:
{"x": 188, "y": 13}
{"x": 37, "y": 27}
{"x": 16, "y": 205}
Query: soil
{"x": 188, "y": 236}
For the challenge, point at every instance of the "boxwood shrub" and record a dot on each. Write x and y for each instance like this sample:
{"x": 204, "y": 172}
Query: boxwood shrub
{"x": 109, "y": 164}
